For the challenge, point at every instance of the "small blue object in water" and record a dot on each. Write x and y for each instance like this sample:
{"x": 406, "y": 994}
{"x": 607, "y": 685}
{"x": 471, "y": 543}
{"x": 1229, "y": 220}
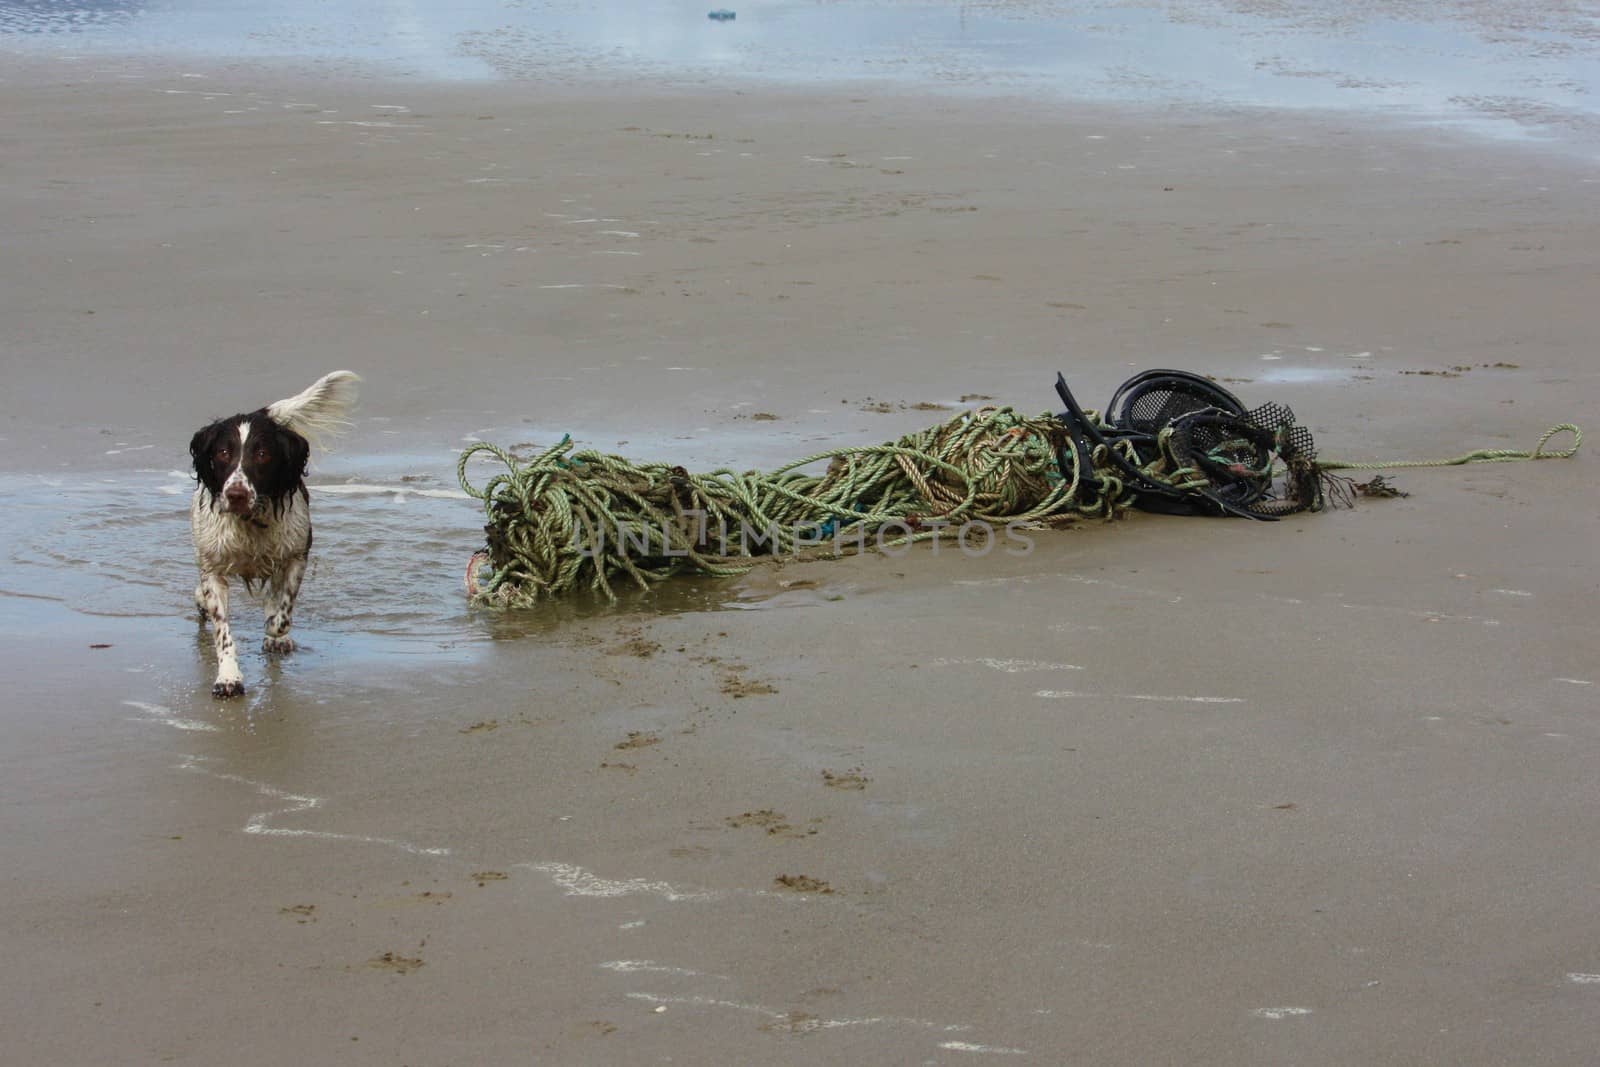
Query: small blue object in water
{"x": 722, "y": 14}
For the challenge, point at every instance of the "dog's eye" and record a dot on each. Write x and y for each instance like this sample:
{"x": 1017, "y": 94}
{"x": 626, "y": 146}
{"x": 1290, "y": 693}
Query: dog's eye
{"x": 224, "y": 452}
{"x": 263, "y": 456}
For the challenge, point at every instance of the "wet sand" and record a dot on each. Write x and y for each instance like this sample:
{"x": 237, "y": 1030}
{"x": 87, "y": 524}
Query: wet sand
{"x": 1169, "y": 790}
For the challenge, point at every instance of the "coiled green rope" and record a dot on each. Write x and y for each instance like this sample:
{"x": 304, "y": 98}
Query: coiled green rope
{"x": 563, "y": 520}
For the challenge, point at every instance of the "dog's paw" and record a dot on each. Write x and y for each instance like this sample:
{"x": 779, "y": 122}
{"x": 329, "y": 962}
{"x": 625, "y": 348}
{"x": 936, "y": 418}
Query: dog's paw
{"x": 277, "y": 646}
{"x": 230, "y": 688}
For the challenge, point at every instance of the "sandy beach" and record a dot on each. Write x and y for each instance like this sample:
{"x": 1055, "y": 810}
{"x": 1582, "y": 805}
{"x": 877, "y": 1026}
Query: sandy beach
{"x": 1168, "y": 790}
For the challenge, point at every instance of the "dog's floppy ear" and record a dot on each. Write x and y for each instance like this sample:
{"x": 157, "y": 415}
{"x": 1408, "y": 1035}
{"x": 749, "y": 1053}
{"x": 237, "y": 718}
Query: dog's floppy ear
{"x": 201, "y": 447}
{"x": 290, "y": 471}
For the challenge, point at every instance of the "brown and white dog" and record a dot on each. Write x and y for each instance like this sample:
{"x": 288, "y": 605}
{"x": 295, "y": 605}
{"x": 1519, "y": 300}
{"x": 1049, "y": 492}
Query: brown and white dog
{"x": 251, "y": 514}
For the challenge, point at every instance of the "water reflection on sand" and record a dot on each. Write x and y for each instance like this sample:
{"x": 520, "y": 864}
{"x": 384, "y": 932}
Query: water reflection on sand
{"x": 1498, "y": 71}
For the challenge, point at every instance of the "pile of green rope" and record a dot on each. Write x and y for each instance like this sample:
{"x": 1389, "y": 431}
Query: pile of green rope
{"x": 563, "y": 520}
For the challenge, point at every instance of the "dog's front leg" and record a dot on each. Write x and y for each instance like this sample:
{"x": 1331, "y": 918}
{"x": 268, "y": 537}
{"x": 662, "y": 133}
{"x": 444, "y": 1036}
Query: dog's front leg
{"x": 213, "y": 596}
{"x": 280, "y": 612}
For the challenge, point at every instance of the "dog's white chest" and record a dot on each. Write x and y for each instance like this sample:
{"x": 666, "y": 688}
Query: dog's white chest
{"x": 251, "y": 548}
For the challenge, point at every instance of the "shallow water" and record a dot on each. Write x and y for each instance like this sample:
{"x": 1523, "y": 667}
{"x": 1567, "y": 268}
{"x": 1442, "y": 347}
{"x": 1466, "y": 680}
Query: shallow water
{"x": 1515, "y": 72}
{"x": 119, "y": 546}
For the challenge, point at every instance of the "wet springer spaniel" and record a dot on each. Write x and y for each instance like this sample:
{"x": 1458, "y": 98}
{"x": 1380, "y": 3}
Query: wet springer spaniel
{"x": 251, "y": 514}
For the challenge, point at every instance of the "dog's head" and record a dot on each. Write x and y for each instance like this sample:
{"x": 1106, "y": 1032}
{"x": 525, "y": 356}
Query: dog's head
{"x": 249, "y": 461}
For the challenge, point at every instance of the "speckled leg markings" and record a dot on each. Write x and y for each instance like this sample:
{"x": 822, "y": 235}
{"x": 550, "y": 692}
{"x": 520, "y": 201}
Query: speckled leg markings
{"x": 213, "y": 596}
{"x": 280, "y": 611}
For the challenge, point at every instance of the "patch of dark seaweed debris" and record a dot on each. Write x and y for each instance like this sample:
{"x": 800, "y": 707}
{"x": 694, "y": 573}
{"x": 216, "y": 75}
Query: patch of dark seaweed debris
{"x": 801, "y": 883}
{"x": 850, "y": 779}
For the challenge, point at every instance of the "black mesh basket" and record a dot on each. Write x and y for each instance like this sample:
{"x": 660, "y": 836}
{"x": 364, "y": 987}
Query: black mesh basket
{"x": 1185, "y": 444}
{"x": 1153, "y": 399}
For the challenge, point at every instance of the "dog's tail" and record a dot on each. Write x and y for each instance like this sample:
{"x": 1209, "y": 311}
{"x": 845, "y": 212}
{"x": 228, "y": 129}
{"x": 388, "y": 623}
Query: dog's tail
{"x": 323, "y": 409}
